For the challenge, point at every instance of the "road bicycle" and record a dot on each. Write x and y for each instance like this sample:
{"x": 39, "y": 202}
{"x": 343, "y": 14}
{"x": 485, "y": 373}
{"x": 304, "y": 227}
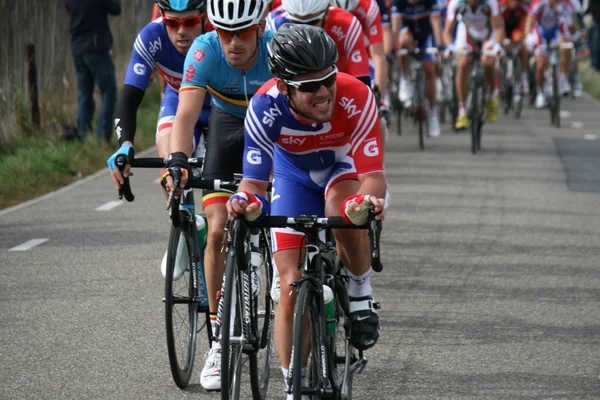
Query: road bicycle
{"x": 186, "y": 301}
{"x": 511, "y": 87}
{"x": 551, "y": 79}
{"x": 245, "y": 316}
{"x": 448, "y": 103}
{"x": 332, "y": 360}
{"x": 476, "y": 101}
{"x": 419, "y": 107}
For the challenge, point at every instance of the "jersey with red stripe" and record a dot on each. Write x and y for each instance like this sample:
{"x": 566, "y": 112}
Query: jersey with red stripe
{"x": 275, "y": 137}
{"x": 368, "y": 13}
{"x": 345, "y": 29}
{"x": 550, "y": 17}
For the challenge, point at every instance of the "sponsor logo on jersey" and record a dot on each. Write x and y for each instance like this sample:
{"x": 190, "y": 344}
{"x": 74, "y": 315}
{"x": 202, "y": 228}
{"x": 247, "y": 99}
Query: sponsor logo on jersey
{"x": 154, "y": 46}
{"x": 139, "y": 68}
{"x": 231, "y": 90}
{"x": 373, "y": 30}
{"x": 371, "y": 149}
{"x": 257, "y": 83}
{"x": 199, "y": 55}
{"x": 254, "y": 157}
{"x": 348, "y": 105}
{"x": 298, "y": 141}
{"x": 338, "y": 32}
{"x": 356, "y": 56}
{"x": 189, "y": 74}
{"x": 270, "y": 115}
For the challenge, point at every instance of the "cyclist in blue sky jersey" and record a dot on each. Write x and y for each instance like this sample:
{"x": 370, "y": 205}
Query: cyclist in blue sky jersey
{"x": 163, "y": 44}
{"x": 230, "y": 64}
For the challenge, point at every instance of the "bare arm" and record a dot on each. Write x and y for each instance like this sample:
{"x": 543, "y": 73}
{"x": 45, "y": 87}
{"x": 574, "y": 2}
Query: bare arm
{"x": 381, "y": 67}
{"x": 528, "y": 24}
{"x": 498, "y": 26}
{"x": 188, "y": 112}
{"x": 396, "y": 26}
{"x": 436, "y": 24}
{"x": 448, "y": 32}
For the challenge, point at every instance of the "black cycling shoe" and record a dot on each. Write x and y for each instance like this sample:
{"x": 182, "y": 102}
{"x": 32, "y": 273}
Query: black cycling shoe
{"x": 365, "y": 322}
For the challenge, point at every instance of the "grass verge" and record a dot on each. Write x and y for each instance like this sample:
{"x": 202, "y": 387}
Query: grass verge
{"x": 42, "y": 163}
{"x": 590, "y": 79}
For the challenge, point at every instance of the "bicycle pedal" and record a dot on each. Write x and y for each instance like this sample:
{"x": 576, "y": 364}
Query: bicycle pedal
{"x": 376, "y": 305}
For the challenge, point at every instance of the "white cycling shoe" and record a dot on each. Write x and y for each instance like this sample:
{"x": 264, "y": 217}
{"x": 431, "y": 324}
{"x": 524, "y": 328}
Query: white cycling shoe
{"x": 210, "y": 377}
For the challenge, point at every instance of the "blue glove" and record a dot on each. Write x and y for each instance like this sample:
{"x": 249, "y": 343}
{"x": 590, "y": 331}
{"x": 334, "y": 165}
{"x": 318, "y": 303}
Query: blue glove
{"x": 124, "y": 150}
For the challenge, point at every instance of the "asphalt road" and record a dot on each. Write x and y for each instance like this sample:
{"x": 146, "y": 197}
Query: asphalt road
{"x": 491, "y": 286}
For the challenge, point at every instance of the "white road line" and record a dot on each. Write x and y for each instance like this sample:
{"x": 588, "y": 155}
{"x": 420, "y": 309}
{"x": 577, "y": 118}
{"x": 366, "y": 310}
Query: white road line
{"x": 589, "y": 136}
{"x": 577, "y": 125}
{"x": 73, "y": 185}
{"x": 28, "y": 245}
{"x": 110, "y": 205}
{"x": 565, "y": 114}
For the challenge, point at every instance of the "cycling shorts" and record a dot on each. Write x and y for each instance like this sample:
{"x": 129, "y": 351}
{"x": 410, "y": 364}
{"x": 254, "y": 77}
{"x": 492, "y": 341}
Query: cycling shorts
{"x": 465, "y": 41}
{"x": 225, "y": 152}
{"x": 540, "y": 36}
{"x": 168, "y": 109}
{"x": 424, "y": 39}
{"x": 297, "y": 191}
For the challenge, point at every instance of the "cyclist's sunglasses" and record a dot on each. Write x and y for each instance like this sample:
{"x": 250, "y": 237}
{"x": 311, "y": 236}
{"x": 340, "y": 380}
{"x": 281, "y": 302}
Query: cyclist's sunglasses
{"x": 243, "y": 34}
{"x": 313, "y": 85}
{"x": 189, "y": 22}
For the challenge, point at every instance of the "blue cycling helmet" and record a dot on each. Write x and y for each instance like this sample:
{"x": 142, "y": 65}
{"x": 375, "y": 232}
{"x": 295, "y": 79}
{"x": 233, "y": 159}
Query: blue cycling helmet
{"x": 180, "y": 5}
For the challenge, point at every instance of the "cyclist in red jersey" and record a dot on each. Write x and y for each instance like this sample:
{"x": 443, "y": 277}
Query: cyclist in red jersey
{"x": 342, "y": 26}
{"x": 369, "y": 15}
{"x": 338, "y": 172}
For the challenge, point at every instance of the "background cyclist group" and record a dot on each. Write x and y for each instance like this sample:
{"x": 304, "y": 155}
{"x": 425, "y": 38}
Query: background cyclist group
{"x": 283, "y": 92}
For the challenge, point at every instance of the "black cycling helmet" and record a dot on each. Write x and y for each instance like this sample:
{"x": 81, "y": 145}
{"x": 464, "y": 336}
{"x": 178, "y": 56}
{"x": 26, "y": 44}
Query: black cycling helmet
{"x": 298, "y": 49}
{"x": 180, "y": 5}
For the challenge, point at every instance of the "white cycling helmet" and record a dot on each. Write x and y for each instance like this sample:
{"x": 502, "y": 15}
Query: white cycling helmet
{"x": 302, "y": 8}
{"x": 348, "y": 5}
{"x": 232, "y": 15}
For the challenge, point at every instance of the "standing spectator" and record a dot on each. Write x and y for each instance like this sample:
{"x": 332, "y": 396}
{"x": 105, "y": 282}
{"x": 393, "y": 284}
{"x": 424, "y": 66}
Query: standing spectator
{"x": 91, "y": 42}
{"x": 594, "y": 35}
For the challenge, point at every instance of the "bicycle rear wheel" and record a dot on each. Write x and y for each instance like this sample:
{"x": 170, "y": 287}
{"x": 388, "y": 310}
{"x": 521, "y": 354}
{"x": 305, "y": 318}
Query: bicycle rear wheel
{"x": 307, "y": 332}
{"x": 263, "y": 322}
{"x": 181, "y": 307}
{"x": 420, "y": 122}
{"x": 232, "y": 298}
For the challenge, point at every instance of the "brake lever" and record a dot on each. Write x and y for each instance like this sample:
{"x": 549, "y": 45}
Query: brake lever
{"x": 125, "y": 189}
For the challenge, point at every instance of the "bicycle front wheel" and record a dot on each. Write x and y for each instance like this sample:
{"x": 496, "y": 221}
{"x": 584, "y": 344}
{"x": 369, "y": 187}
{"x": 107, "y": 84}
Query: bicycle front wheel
{"x": 181, "y": 308}
{"x": 263, "y": 323}
{"x": 307, "y": 333}
{"x": 232, "y": 297}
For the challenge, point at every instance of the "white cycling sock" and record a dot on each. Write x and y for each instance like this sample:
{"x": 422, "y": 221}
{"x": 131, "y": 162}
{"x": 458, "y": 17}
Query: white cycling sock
{"x": 360, "y": 286}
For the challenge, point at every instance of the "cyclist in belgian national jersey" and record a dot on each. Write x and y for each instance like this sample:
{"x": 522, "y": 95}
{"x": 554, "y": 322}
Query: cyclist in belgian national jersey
{"x": 231, "y": 65}
{"x": 163, "y": 44}
{"x": 480, "y": 27}
{"x": 326, "y": 161}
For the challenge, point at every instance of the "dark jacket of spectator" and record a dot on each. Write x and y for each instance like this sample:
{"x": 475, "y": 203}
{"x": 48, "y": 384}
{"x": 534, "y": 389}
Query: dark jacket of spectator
{"x": 90, "y": 32}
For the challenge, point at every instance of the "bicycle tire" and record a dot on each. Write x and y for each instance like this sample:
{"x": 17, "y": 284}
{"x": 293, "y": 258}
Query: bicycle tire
{"x": 231, "y": 352}
{"x": 343, "y": 353}
{"x": 421, "y": 139}
{"x": 260, "y": 361}
{"x": 555, "y": 108}
{"x": 175, "y": 300}
{"x": 307, "y": 306}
